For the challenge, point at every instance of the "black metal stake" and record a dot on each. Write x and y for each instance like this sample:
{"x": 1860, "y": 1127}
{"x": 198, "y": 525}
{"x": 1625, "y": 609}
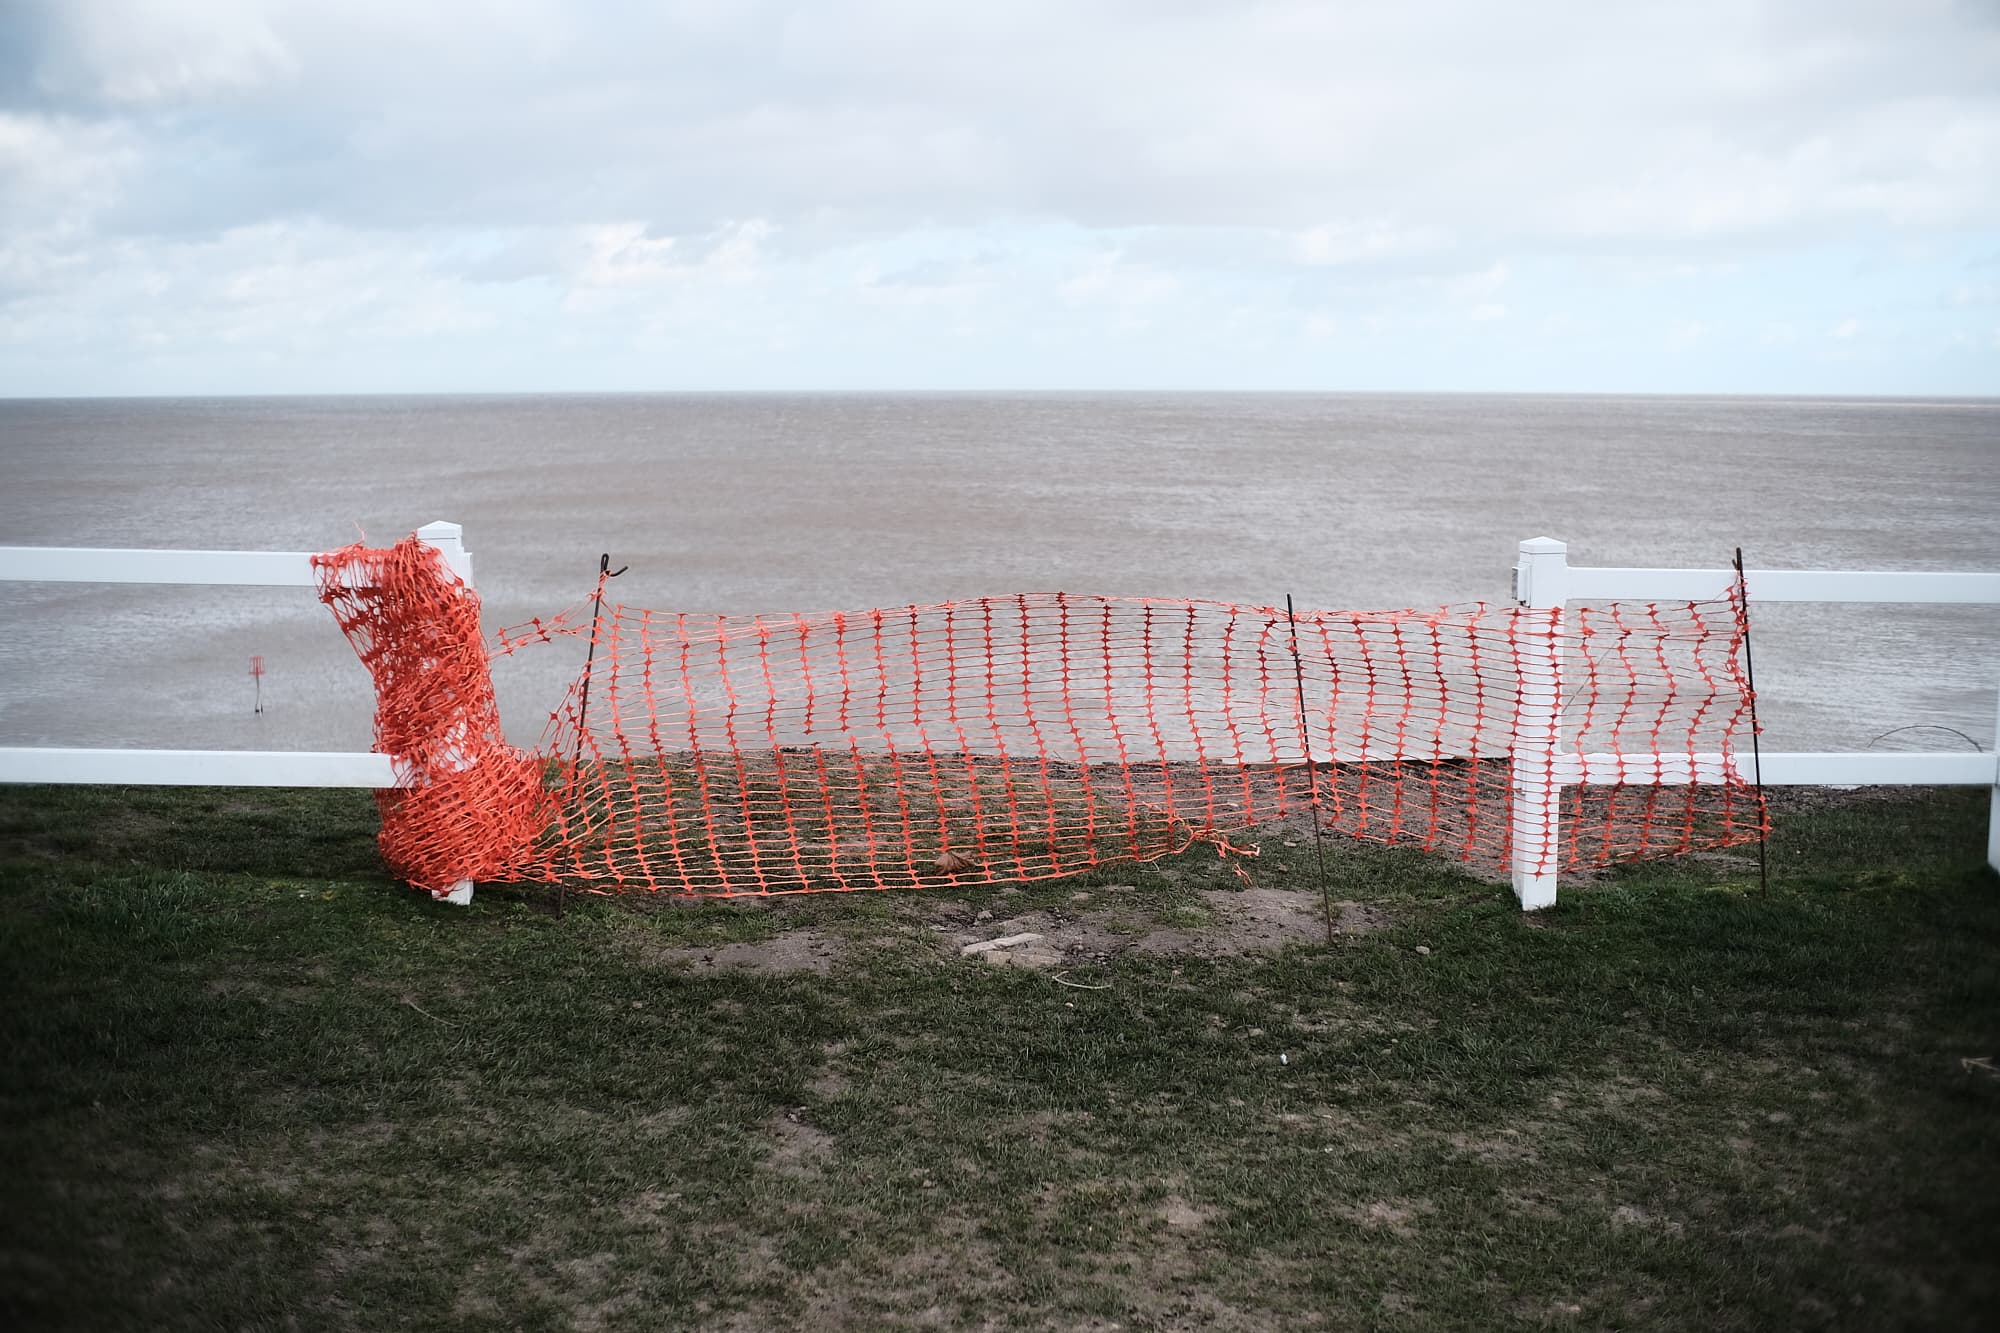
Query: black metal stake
{"x": 604, "y": 573}
{"x": 1756, "y": 748}
{"x": 1312, "y": 773}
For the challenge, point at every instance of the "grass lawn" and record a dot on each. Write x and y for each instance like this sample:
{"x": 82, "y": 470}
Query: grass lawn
{"x": 249, "y": 1083}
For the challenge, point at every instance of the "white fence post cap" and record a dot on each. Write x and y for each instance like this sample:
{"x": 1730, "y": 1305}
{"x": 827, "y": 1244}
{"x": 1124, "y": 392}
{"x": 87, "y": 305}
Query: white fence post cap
{"x": 1543, "y": 546}
{"x": 448, "y": 540}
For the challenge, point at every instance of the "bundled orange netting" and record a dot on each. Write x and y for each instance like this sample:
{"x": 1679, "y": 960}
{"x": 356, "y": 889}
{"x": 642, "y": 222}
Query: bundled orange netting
{"x": 471, "y": 806}
{"x": 1018, "y": 738}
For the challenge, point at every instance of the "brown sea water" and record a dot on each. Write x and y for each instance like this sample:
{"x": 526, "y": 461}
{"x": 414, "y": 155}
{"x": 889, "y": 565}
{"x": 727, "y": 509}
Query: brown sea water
{"x": 812, "y": 502}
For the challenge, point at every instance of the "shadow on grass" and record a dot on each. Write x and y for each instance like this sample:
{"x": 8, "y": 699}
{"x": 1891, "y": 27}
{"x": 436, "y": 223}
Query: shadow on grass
{"x": 212, "y": 830}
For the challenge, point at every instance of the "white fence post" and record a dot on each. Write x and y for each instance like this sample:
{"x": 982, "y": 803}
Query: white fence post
{"x": 449, "y": 539}
{"x": 1993, "y": 819}
{"x": 1541, "y": 582}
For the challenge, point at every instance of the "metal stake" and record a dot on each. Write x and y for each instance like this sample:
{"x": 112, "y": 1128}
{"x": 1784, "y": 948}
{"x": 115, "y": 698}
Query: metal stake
{"x": 604, "y": 574}
{"x": 1756, "y": 748}
{"x": 1312, "y": 773}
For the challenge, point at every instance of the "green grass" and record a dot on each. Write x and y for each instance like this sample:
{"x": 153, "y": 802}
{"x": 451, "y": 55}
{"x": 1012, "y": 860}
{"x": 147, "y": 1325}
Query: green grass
{"x": 249, "y": 1083}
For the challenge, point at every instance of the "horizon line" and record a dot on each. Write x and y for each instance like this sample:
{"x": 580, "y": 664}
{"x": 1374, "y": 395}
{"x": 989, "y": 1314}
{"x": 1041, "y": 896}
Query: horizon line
{"x": 988, "y": 392}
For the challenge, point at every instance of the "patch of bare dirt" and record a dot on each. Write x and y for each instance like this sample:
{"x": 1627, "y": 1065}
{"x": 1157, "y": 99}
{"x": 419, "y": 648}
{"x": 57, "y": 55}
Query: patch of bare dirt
{"x": 798, "y": 1148}
{"x": 1181, "y": 1215}
{"x": 1543, "y": 1311}
{"x": 923, "y": 1283}
{"x": 1240, "y": 921}
{"x": 783, "y": 954}
{"x": 1396, "y": 1216}
{"x": 1025, "y": 948}
{"x": 1631, "y": 1215}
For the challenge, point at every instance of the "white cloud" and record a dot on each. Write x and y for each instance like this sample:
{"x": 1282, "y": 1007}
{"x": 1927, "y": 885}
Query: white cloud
{"x": 275, "y": 287}
{"x": 58, "y": 174}
{"x": 665, "y": 281}
{"x": 1359, "y": 129}
{"x": 620, "y": 254}
{"x": 1364, "y": 242}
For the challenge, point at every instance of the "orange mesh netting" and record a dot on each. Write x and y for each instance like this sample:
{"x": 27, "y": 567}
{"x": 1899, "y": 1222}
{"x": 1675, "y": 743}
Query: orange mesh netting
{"x": 1019, "y": 738}
{"x": 471, "y": 806}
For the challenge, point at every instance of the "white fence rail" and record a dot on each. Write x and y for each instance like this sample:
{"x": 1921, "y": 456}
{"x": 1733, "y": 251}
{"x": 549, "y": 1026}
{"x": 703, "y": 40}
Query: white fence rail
{"x": 1543, "y": 577}
{"x": 200, "y": 768}
{"x": 271, "y": 569}
{"x": 203, "y": 768}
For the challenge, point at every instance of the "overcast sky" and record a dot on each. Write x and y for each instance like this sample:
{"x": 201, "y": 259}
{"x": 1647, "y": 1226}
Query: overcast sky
{"x": 267, "y": 196}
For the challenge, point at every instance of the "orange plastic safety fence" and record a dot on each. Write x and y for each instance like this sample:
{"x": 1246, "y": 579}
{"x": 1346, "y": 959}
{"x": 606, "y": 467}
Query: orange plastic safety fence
{"x": 1033, "y": 736}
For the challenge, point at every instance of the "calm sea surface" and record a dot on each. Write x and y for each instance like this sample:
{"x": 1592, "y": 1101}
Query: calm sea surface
{"x": 784, "y": 503}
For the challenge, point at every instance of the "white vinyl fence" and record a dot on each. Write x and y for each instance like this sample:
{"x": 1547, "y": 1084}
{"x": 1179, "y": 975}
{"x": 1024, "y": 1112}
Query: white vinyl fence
{"x": 1543, "y": 578}
{"x": 204, "y": 768}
